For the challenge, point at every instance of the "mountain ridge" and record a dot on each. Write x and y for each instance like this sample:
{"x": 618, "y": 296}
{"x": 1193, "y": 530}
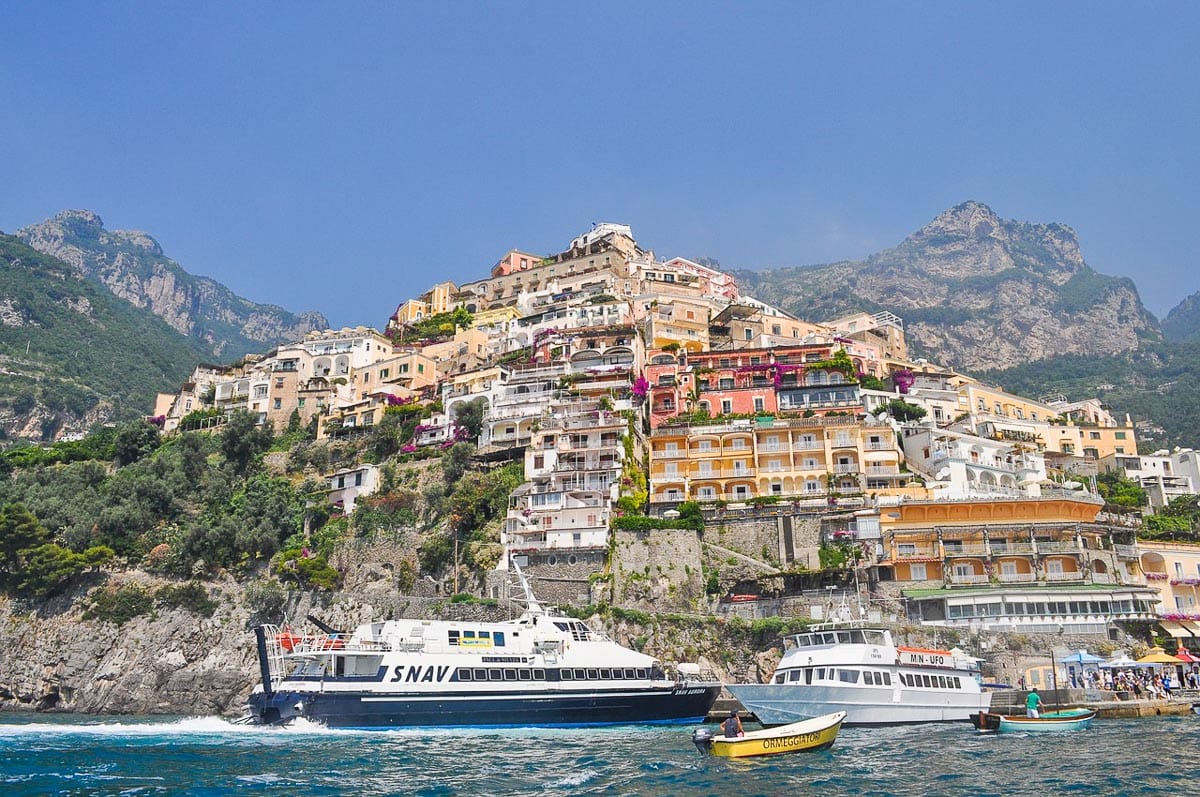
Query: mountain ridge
{"x": 975, "y": 291}
{"x": 132, "y": 265}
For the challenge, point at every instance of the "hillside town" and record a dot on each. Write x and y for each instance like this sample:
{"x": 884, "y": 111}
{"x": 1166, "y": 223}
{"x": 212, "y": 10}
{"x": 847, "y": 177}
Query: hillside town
{"x": 765, "y": 462}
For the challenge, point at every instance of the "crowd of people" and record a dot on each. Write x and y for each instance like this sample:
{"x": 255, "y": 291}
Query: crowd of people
{"x": 1141, "y": 682}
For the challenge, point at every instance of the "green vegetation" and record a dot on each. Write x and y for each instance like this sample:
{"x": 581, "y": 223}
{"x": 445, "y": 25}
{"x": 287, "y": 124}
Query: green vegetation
{"x": 904, "y": 412}
{"x": 80, "y": 348}
{"x": 440, "y": 326}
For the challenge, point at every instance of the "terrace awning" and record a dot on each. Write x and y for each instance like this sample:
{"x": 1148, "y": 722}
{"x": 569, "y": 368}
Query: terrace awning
{"x": 1175, "y": 629}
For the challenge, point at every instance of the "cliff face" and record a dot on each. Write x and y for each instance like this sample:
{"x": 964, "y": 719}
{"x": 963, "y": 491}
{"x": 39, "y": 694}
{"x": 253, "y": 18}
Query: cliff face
{"x": 132, "y": 265}
{"x": 1183, "y": 322}
{"x": 976, "y": 291}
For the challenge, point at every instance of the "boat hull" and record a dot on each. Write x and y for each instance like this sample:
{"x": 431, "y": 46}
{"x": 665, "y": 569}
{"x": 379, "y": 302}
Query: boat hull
{"x": 779, "y": 704}
{"x": 814, "y": 734}
{"x": 1068, "y": 720}
{"x": 360, "y": 709}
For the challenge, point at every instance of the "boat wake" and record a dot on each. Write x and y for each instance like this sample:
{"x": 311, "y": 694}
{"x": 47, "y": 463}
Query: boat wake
{"x": 188, "y": 726}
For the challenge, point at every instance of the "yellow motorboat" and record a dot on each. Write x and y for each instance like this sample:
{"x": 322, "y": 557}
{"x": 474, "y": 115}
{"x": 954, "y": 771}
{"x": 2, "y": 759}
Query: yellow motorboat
{"x": 811, "y": 734}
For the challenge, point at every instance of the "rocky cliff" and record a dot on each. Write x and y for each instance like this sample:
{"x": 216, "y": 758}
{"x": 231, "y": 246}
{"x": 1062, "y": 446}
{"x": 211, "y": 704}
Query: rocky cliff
{"x": 976, "y": 291}
{"x": 1183, "y": 322}
{"x": 132, "y": 265}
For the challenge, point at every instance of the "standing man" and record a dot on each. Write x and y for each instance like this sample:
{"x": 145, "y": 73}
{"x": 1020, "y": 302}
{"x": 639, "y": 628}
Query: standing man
{"x": 1033, "y": 704}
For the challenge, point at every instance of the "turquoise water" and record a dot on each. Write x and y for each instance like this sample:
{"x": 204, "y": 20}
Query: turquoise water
{"x": 60, "y": 755}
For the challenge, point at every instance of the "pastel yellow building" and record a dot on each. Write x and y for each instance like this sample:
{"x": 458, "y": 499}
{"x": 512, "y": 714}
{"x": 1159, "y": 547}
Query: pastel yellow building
{"x": 795, "y": 457}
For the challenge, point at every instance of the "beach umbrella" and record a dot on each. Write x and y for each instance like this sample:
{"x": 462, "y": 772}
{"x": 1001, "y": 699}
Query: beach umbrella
{"x": 1081, "y": 657}
{"x": 1119, "y": 663}
{"x": 1185, "y": 655}
{"x": 1158, "y": 656}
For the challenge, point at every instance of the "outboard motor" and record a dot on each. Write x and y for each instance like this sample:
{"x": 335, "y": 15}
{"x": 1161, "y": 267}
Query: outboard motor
{"x": 703, "y": 739}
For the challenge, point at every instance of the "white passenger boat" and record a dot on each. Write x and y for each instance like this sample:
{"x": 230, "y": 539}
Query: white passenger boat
{"x": 859, "y": 670}
{"x": 542, "y": 669}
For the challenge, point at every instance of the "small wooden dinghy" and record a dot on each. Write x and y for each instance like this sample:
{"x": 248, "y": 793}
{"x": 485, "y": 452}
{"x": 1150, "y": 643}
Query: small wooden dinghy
{"x": 1074, "y": 719}
{"x": 811, "y": 734}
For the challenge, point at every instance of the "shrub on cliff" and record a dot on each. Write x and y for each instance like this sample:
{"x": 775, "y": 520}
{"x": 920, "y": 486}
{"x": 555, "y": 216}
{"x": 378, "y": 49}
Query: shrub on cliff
{"x": 191, "y": 596}
{"x": 118, "y": 605}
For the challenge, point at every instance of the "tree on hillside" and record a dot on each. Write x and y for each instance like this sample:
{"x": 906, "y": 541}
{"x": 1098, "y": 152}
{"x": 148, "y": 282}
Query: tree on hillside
{"x": 469, "y": 416}
{"x": 244, "y": 439}
{"x": 134, "y": 440}
{"x": 20, "y": 532}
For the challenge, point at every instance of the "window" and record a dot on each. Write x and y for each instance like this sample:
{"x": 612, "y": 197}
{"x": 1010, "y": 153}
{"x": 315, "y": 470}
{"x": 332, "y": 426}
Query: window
{"x": 726, "y": 406}
{"x": 384, "y": 372}
{"x": 758, "y": 404}
{"x": 278, "y": 403}
{"x": 916, "y": 571}
{"x": 1119, "y": 435}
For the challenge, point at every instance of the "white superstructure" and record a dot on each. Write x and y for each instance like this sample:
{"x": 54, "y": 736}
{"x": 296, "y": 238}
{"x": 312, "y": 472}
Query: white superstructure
{"x": 861, "y": 671}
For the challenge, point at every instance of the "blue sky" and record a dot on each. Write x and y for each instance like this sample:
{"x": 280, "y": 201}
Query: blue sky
{"x": 343, "y": 157}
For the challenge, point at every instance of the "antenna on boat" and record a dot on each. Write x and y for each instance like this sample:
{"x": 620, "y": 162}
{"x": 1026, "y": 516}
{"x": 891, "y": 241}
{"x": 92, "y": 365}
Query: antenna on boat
{"x": 531, "y": 602}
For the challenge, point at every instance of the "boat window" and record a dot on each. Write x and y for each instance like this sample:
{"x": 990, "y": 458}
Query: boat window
{"x": 539, "y": 674}
{"x": 580, "y": 675}
{"x": 494, "y": 675}
{"x": 630, "y": 673}
{"x": 468, "y": 634}
{"x": 485, "y": 634}
{"x": 480, "y": 674}
{"x": 957, "y": 683}
{"x": 643, "y": 674}
{"x": 498, "y": 639}
{"x": 874, "y": 637}
{"x": 856, "y": 638}
{"x": 794, "y": 675}
{"x": 868, "y": 677}
{"x": 928, "y": 681}
{"x": 808, "y": 676}
{"x": 606, "y": 675}
{"x": 452, "y": 637}
{"x": 779, "y": 678}
{"x": 525, "y": 675}
{"x": 820, "y": 674}
{"x": 561, "y": 626}
{"x": 565, "y": 675}
{"x": 463, "y": 674}
{"x": 510, "y": 675}
{"x": 848, "y": 676}
{"x": 656, "y": 672}
{"x": 886, "y": 678}
{"x": 593, "y": 674}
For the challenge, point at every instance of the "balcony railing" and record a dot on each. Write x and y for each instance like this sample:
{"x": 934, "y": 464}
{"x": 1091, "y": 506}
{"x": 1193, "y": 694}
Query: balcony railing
{"x": 973, "y": 578}
{"x": 883, "y": 470}
{"x": 1018, "y": 578}
{"x": 922, "y": 552}
{"x": 1059, "y": 546}
{"x": 965, "y": 550}
{"x": 1066, "y": 576}
{"x": 846, "y": 468}
{"x": 1011, "y": 548}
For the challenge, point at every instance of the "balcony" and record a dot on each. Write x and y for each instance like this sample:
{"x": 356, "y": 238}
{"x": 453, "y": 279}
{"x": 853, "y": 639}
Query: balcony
{"x": 965, "y": 550}
{"x": 1000, "y": 549}
{"x": 915, "y": 552}
{"x": 971, "y": 578}
{"x": 1059, "y": 578}
{"x": 846, "y": 468}
{"x": 1018, "y": 578}
{"x": 883, "y": 470}
{"x": 1058, "y": 546}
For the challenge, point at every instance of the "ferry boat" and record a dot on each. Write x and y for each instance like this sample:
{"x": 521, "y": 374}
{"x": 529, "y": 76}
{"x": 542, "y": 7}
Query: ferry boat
{"x": 861, "y": 671}
{"x": 541, "y": 669}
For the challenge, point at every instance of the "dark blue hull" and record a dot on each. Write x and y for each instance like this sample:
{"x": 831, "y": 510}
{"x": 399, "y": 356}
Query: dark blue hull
{"x": 684, "y": 704}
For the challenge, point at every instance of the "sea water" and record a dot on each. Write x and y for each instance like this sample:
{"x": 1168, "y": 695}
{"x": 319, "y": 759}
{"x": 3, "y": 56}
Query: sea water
{"x": 65, "y": 755}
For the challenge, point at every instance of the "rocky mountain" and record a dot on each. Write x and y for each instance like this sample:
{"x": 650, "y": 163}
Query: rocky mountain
{"x": 1183, "y": 322}
{"x": 131, "y": 264}
{"x": 976, "y": 292}
{"x": 72, "y": 354}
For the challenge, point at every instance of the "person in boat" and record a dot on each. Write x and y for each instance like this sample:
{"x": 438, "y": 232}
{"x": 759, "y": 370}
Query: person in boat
{"x": 733, "y": 726}
{"x": 1033, "y": 704}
